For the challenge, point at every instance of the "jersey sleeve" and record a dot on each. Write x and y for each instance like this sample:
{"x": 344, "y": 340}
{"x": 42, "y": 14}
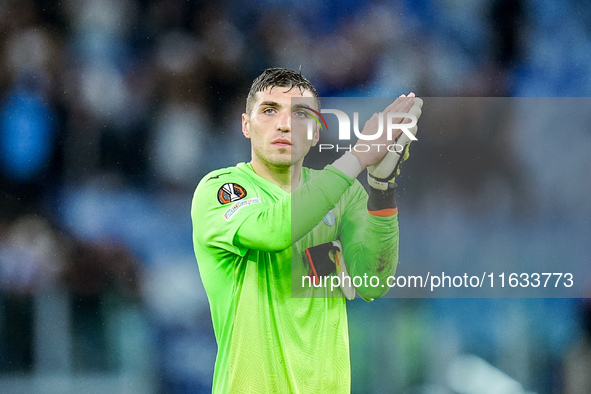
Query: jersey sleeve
{"x": 255, "y": 221}
{"x": 370, "y": 242}
{"x": 220, "y": 203}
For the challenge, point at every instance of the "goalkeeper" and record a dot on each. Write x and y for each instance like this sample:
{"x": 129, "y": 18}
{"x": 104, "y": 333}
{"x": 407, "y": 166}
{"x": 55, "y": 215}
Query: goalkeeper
{"x": 249, "y": 248}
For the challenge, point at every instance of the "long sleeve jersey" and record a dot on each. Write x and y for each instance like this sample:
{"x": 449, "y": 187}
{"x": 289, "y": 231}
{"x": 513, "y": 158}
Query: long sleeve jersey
{"x": 275, "y": 333}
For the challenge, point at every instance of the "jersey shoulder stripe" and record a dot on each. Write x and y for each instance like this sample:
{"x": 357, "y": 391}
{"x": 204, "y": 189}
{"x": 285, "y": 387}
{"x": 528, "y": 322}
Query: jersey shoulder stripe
{"x": 225, "y": 173}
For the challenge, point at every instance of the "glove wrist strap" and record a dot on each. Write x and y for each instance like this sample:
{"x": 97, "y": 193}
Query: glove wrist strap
{"x": 380, "y": 184}
{"x": 382, "y": 200}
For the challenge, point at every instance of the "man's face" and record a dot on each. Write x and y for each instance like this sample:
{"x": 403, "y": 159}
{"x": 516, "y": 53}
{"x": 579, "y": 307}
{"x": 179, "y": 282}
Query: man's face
{"x": 277, "y": 131}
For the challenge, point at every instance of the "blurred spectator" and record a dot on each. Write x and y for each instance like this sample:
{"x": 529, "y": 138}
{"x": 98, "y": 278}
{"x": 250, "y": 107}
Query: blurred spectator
{"x": 28, "y": 118}
{"x": 577, "y": 378}
{"x": 99, "y": 277}
{"x": 32, "y": 256}
{"x": 36, "y": 259}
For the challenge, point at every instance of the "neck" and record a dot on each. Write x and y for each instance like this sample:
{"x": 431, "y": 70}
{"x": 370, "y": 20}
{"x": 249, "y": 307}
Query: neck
{"x": 287, "y": 178}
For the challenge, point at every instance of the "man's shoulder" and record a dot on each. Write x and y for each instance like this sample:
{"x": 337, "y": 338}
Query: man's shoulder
{"x": 225, "y": 184}
{"x": 309, "y": 173}
{"x": 238, "y": 173}
{"x": 225, "y": 173}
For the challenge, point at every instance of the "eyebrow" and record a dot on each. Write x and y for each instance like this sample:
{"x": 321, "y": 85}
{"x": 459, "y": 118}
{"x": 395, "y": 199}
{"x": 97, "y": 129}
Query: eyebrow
{"x": 274, "y": 104}
{"x": 270, "y": 104}
{"x": 302, "y": 106}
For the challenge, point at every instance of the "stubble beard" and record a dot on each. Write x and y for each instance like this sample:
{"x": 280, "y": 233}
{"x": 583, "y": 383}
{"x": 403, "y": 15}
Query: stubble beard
{"x": 280, "y": 161}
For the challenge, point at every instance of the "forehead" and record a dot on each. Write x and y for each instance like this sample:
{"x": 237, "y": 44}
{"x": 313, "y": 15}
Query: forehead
{"x": 281, "y": 95}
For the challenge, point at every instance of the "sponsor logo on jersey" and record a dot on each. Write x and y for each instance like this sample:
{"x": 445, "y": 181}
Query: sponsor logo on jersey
{"x": 231, "y": 192}
{"x": 236, "y": 207}
{"x": 329, "y": 219}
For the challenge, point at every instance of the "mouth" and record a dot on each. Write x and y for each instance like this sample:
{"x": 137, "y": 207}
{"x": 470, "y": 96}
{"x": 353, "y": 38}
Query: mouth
{"x": 282, "y": 142}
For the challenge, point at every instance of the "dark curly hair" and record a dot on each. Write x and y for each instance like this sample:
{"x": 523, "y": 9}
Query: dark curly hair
{"x": 281, "y": 77}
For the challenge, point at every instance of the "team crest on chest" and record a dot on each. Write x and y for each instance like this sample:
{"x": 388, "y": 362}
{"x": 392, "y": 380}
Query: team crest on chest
{"x": 231, "y": 192}
{"x": 329, "y": 219}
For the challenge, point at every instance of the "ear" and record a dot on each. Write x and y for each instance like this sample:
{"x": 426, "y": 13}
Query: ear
{"x": 316, "y": 137}
{"x": 245, "y": 125}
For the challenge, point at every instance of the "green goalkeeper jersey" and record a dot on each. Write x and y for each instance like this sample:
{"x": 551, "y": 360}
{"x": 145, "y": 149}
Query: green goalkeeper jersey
{"x": 274, "y": 333}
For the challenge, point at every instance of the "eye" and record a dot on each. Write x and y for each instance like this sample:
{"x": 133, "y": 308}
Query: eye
{"x": 300, "y": 114}
{"x": 269, "y": 111}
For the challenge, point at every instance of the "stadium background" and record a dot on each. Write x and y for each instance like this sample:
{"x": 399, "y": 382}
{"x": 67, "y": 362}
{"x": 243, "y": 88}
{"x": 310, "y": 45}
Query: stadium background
{"x": 111, "y": 111}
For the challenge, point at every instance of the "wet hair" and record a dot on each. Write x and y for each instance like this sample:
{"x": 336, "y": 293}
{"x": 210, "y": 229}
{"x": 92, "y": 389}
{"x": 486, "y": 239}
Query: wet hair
{"x": 278, "y": 77}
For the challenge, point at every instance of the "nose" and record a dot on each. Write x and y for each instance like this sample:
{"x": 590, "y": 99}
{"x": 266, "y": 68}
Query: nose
{"x": 284, "y": 122}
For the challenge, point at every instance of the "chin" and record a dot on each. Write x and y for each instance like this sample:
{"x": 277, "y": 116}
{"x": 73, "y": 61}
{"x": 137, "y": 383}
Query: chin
{"x": 282, "y": 163}
{"x": 282, "y": 159}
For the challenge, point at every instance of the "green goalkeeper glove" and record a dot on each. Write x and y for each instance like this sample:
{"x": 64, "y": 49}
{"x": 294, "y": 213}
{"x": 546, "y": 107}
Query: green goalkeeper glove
{"x": 381, "y": 176}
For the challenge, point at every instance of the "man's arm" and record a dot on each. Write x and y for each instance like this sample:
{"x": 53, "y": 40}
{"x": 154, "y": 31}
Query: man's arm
{"x": 278, "y": 227}
{"x": 369, "y": 234}
{"x": 370, "y": 230}
{"x": 260, "y": 225}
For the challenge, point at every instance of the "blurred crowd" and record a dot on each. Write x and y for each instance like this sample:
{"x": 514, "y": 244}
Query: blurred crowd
{"x": 149, "y": 93}
{"x": 111, "y": 111}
